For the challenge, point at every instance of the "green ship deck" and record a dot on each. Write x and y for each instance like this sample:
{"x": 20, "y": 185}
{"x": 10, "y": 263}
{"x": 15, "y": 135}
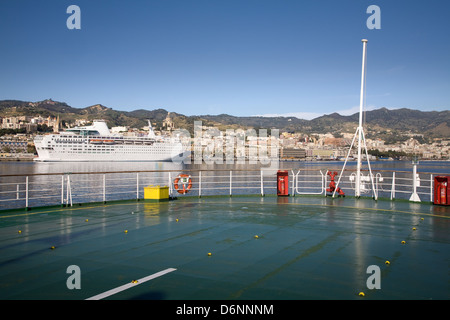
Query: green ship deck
{"x": 260, "y": 248}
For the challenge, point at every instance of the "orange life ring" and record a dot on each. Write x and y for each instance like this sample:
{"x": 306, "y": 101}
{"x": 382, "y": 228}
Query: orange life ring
{"x": 186, "y": 183}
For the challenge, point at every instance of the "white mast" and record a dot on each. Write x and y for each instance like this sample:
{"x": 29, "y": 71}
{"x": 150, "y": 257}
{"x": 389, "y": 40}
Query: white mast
{"x": 360, "y": 128}
{"x": 360, "y": 133}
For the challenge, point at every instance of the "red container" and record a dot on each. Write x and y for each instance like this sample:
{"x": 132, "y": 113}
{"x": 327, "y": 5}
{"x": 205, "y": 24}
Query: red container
{"x": 282, "y": 183}
{"x": 442, "y": 190}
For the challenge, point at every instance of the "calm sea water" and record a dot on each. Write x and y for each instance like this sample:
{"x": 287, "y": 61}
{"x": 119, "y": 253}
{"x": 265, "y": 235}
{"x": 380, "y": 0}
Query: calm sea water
{"x": 13, "y": 167}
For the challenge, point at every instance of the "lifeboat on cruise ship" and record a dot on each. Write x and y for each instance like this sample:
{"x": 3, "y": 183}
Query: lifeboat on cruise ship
{"x": 96, "y": 141}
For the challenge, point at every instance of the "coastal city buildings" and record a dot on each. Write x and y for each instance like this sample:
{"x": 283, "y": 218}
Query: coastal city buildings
{"x": 213, "y": 142}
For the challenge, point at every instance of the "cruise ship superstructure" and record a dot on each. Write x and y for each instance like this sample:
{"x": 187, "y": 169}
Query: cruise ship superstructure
{"x": 97, "y": 143}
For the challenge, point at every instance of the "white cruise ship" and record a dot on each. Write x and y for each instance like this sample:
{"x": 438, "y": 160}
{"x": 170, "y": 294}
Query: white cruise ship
{"x": 97, "y": 143}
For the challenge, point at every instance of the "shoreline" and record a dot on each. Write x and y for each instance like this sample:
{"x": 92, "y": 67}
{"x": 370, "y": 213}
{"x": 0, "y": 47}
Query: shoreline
{"x": 27, "y": 159}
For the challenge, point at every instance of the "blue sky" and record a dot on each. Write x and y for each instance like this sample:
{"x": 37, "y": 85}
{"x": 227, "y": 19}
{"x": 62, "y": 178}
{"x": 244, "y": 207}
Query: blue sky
{"x": 240, "y": 57}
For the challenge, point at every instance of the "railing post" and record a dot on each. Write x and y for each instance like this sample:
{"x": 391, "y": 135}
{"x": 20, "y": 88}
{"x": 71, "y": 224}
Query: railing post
{"x": 104, "y": 188}
{"x": 68, "y": 192}
{"x": 137, "y": 186}
{"x": 170, "y": 184}
{"x": 69, "y": 189}
{"x": 322, "y": 180}
{"x": 231, "y": 182}
{"x": 62, "y": 190}
{"x": 262, "y": 183}
{"x": 26, "y": 192}
{"x": 296, "y": 181}
{"x": 415, "y": 197}
{"x": 199, "y": 184}
{"x": 293, "y": 180}
{"x": 393, "y": 186}
{"x": 431, "y": 187}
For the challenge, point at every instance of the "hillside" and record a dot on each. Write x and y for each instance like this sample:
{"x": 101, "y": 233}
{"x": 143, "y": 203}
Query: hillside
{"x": 387, "y": 124}
{"x": 383, "y": 123}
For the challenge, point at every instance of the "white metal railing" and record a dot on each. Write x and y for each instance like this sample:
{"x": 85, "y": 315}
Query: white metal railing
{"x": 25, "y": 191}
{"x": 312, "y": 182}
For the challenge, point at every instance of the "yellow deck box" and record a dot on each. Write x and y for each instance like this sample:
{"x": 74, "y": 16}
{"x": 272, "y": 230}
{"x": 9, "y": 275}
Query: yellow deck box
{"x": 156, "y": 192}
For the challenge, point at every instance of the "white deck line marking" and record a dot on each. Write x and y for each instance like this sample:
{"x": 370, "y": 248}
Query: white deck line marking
{"x": 130, "y": 285}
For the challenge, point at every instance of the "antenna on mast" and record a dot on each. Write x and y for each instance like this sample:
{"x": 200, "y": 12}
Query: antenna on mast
{"x": 360, "y": 134}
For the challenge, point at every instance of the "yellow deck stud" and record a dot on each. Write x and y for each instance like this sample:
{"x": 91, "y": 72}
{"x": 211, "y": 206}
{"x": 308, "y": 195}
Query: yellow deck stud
{"x": 52, "y": 247}
{"x": 414, "y": 229}
{"x": 126, "y": 231}
{"x": 87, "y": 220}
{"x": 361, "y": 294}
{"x": 421, "y": 219}
{"x": 176, "y": 220}
{"x": 256, "y": 236}
{"x": 134, "y": 281}
{"x": 403, "y": 242}
{"x": 387, "y": 262}
{"x": 209, "y": 254}
{"x": 20, "y": 231}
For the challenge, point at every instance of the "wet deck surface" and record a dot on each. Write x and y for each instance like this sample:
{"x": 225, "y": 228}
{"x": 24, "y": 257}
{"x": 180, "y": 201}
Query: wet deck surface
{"x": 307, "y": 248}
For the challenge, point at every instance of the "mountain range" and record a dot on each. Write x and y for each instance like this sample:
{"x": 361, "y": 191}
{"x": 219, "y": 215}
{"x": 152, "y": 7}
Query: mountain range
{"x": 382, "y": 123}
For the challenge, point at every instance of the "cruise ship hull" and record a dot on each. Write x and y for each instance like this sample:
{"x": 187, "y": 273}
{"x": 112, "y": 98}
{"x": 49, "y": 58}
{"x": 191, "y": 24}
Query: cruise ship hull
{"x": 158, "y": 151}
{"x": 114, "y": 158}
{"x": 96, "y": 144}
